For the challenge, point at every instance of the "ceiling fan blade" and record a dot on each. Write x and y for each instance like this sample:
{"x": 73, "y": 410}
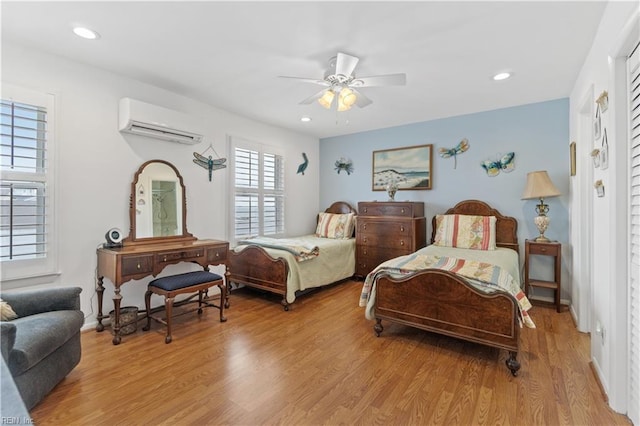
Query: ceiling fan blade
{"x": 313, "y": 98}
{"x": 307, "y": 80}
{"x": 361, "y": 100}
{"x": 345, "y": 64}
{"x": 380, "y": 80}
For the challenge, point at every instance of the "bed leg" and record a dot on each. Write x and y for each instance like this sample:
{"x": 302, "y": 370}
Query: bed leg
{"x": 378, "y": 327}
{"x": 512, "y": 363}
{"x": 285, "y": 305}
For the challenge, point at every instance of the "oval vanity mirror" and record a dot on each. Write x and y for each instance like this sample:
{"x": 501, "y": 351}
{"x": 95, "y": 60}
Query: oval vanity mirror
{"x": 157, "y": 209}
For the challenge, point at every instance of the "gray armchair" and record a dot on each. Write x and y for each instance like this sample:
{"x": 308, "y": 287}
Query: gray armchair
{"x": 42, "y": 345}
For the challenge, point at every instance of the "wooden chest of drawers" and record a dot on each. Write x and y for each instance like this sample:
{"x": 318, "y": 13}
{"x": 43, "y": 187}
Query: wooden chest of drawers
{"x": 386, "y": 230}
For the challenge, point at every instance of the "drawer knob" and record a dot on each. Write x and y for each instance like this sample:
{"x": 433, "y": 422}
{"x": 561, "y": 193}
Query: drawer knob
{"x": 402, "y": 229}
{"x": 217, "y": 254}
{"x": 402, "y": 210}
{"x": 197, "y": 254}
{"x": 364, "y": 226}
{"x": 364, "y": 239}
{"x": 164, "y": 259}
{"x": 401, "y": 243}
{"x": 543, "y": 249}
{"x": 139, "y": 267}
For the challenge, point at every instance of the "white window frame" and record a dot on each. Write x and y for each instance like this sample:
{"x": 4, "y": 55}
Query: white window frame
{"x": 38, "y": 270}
{"x": 261, "y": 192}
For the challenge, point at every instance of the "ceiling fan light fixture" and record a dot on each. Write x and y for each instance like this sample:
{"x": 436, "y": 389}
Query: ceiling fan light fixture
{"x": 347, "y": 97}
{"x": 342, "y": 106}
{"x": 327, "y": 99}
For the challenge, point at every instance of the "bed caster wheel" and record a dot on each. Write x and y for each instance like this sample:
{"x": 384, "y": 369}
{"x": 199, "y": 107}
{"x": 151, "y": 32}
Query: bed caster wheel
{"x": 167, "y": 339}
{"x": 286, "y": 308}
{"x": 146, "y": 328}
{"x": 378, "y": 327}
{"x": 199, "y": 311}
{"x": 513, "y": 364}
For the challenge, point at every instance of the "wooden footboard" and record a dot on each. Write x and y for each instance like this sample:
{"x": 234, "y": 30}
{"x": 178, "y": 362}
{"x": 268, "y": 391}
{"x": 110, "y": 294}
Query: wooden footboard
{"x": 254, "y": 267}
{"x": 442, "y": 302}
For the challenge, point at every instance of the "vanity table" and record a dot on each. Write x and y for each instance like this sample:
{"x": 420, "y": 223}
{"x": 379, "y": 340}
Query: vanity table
{"x": 158, "y": 237}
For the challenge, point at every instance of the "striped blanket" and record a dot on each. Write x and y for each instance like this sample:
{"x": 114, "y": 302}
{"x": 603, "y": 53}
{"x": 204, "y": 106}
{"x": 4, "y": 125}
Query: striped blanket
{"x": 298, "y": 249}
{"x": 482, "y": 275}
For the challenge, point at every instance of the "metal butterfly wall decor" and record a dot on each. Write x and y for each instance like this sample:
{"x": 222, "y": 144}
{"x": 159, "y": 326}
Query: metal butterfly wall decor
{"x": 344, "y": 164}
{"x": 506, "y": 163}
{"x": 453, "y": 152}
{"x": 209, "y": 163}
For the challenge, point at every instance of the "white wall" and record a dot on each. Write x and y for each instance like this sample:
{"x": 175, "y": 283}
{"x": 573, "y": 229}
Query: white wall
{"x": 96, "y": 165}
{"x": 607, "y": 294}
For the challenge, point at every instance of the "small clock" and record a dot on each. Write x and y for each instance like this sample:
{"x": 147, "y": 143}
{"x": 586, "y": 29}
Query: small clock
{"x": 114, "y": 238}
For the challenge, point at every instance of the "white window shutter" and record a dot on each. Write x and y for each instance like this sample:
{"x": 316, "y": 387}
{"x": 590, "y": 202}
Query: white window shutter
{"x": 634, "y": 237}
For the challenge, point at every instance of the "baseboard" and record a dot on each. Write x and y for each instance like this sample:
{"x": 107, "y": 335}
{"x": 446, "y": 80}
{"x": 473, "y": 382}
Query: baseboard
{"x": 596, "y": 373}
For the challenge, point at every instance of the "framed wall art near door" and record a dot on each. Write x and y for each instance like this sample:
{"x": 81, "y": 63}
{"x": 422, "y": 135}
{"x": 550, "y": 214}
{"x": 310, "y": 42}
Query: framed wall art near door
{"x": 409, "y": 168}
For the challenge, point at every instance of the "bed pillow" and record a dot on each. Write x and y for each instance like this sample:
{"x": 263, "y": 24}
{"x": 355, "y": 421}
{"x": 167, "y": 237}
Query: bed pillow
{"x": 466, "y": 231}
{"x": 338, "y": 226}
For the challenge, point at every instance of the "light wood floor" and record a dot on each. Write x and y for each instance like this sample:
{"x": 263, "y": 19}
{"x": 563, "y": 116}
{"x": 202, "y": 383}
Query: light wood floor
{"x": 321, "y": 363}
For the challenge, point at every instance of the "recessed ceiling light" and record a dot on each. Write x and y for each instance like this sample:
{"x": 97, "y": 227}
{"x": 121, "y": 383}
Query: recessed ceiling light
{"x": 86, "y": 33}
{"x": 305, "y": 119}
{"x": 502, "y": 76}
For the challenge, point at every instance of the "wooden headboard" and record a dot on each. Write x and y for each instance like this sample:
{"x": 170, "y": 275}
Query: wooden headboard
{"x": 340, "y": 207}
{"x": 506, "y": 226}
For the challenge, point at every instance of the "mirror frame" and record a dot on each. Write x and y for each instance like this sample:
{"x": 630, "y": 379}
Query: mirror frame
{"x": 132, "y": 239}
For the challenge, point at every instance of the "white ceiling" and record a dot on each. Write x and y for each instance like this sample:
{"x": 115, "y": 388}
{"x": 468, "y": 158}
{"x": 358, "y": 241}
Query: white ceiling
{"x": 230, "y": 54}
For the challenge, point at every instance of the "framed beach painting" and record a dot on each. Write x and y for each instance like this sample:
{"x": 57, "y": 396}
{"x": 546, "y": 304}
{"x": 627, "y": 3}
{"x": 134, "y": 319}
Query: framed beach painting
{"x": 407, "y": 168}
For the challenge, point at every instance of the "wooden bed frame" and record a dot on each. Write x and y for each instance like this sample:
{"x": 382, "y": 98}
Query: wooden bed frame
{"x": 254, "y": 267}
{"x": 445, "y": 303}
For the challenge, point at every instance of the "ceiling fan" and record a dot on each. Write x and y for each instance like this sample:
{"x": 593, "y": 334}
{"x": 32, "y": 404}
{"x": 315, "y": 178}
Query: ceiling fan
{"x": 340, "y": 80}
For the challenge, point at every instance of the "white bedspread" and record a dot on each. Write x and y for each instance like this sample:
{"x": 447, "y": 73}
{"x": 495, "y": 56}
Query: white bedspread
{"x": 336, "y": 261}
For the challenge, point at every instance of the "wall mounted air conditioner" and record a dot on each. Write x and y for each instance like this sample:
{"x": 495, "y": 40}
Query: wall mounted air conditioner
{"x": 141, "y": 118}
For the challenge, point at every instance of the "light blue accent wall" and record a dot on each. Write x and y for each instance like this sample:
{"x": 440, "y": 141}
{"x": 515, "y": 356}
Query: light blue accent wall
{"x": 537, "y": 133}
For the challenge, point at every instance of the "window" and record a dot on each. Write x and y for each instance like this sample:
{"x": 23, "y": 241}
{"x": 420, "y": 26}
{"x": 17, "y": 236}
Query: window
{"x": 258, "y": 207}
{"x": 26, "y": 188}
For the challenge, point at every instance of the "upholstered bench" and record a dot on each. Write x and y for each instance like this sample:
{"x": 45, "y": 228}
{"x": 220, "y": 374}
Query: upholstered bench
{"x": 189, "y": 282}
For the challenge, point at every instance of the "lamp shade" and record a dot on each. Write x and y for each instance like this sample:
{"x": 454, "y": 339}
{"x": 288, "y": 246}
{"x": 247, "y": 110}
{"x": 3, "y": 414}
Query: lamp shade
{"x": 539, "y": 185}
{"x": 327, "y": 99}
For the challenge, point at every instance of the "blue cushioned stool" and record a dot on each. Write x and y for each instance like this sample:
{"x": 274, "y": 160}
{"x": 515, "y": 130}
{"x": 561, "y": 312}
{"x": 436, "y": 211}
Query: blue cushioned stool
{"x": 190, "y": 282}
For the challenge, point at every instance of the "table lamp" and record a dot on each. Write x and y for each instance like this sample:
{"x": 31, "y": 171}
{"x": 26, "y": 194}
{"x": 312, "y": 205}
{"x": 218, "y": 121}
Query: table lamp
{"x": 539, "y": 186}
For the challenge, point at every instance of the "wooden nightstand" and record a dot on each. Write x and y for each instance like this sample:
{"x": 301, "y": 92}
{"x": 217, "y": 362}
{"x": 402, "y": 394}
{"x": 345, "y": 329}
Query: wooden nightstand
{"x": 552, "y": 248}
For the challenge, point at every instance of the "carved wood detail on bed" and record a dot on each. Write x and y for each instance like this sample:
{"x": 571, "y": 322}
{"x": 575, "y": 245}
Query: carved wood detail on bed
{"x": 445, "y": 303}
{"x": 506, "y": 226}
{"x": 256, "y": 268}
